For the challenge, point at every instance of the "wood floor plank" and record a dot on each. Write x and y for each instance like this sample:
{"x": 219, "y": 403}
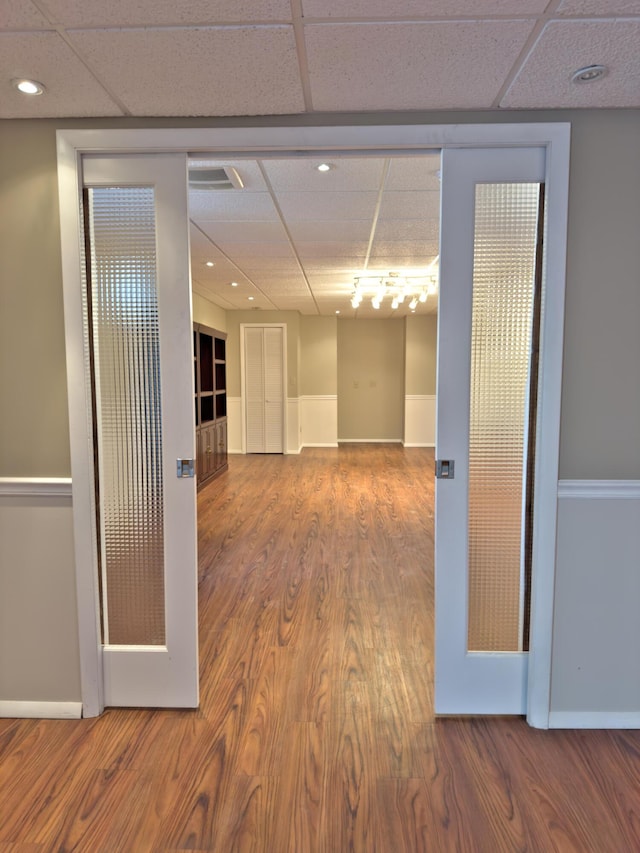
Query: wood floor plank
{"x": 403, "y": 806}
{"x": 299, "y": 812}
{"x": 316, "y": 731}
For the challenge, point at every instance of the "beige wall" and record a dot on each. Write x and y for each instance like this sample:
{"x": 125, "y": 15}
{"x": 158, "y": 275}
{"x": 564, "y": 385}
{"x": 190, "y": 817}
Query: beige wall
{"x": 34, "y": 426}
{"x": 601, "y": 393}
{"x": 235, "y": 318}
{"x": 600, "y": 429}
{"x": 209, "y": 314}
{"x": 421, "y": 352}
{"x": 370, "y": 380}
{"x": 318, "y": 356}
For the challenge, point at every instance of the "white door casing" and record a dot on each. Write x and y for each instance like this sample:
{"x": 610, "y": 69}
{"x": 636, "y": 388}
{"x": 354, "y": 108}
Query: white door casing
{"x": 163, "y": 675}
{"x": 347, "y": 139}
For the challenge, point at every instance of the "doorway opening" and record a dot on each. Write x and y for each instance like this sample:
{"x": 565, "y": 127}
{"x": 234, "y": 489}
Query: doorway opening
{"x": 406, "y": 140}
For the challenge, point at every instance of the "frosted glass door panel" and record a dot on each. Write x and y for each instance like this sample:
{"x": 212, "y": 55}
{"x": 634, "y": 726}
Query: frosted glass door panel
{"x": 129, "y": 405}
{"x": 488, "y": 247}
{"x": 139, "y": 333}
{"x": 505, "y": 240}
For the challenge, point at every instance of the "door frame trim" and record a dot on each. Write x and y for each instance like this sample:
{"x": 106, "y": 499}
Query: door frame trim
{"x": 281, "y": 141}
{"x": 243, "y": 394}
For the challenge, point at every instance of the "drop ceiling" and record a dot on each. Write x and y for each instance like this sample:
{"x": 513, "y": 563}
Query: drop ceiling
{"x": 289, "y": 239}
{"x": 293, "y": 238}
{"x": 276, "y": 57}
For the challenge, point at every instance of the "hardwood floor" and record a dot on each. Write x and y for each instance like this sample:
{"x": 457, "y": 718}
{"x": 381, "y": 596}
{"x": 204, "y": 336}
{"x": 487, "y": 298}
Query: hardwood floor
{"x": 316, "y": 729}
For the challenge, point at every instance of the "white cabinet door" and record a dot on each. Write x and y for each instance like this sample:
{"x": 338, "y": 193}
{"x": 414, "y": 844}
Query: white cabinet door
{"x": 491, "y": 202}
{"x": 140, "y": 326}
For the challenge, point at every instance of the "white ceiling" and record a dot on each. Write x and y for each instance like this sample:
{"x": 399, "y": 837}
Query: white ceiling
{"x": 274, "y": 57}
{"x": 294, "y": 238}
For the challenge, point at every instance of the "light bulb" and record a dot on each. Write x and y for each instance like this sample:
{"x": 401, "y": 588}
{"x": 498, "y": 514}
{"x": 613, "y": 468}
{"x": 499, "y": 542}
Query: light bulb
{"x": 29, "y": 87}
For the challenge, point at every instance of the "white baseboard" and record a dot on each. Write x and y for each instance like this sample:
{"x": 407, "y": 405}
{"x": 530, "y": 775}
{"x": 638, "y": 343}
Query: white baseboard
{"x": 369, "y": 441}
{"x": 417, "y": 444}
{"x": 594, "y": 720}
{"x": 41, "y": 710}
{"x": 319, "y": 444}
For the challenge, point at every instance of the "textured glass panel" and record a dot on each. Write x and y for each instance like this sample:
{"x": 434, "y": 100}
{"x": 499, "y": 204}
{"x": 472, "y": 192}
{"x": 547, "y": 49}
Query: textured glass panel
{"x": 127, "y": 370}
{"x": 506, "y": 222}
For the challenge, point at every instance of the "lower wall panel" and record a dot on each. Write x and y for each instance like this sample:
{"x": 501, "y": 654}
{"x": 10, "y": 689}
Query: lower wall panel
{"x": 319, "y": 421}
{"x": 293, "y": 425}
{"x": 595, "y": 679}
{"x": 39, "y": 653}
{"x": 234, "y": 424}
{"x": 312, "y": 421}
{"x": 420, "y": 420}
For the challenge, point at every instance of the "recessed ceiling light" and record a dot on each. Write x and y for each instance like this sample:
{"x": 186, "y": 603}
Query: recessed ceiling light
{"x": 28, "y": 87}
{"x": 324, "y": 167}
{"x": 210, "y": 264}
{"x": 250, "y": 298}
{"x": 338, "y": 311}
{"x": 234, "y": 284}
{"x": 589, "y": 74}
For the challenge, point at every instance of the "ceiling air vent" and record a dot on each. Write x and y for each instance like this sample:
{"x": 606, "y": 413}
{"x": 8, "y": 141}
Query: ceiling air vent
{"x": 214, "y": 178}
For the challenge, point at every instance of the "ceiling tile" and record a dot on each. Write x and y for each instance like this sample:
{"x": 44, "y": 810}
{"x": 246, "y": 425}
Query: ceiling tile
{"x": 403, "y": 249}
{"x": 231, "y": 205}
{"x": 282, "y": 280}
{"x": 208, "y": 293}
{"x": 170, "y": 72}
{"x": 253, "y": 264}
{"x": 118, "y": 13}
{"x": 609, "y": 8}
{"x": 411, "y": 66}
{"x": 402, "y": 263}
{"x": 21, "y": 15}
{"x": 247, "y": 232}
{"x": 278, "y": 254}
{"x": 410, "y": 205}
{"x": 419, "y": 8}
{"x": 332, "y": 250}
{"x": 564, "y": 46}
{"x": 346, "y": 174}
{"x": 45, "y": 57}
{"x": 414, "y": 173}
{"x": 326, "y": 230}
{"x": 391, "y": 230}
{"x": 301, "y": 206}
{"x": 320, "y": 265}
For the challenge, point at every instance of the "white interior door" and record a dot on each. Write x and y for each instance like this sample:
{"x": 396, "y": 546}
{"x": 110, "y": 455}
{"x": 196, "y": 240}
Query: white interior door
{"x": 263, "y": 388}
{"x": 489, "y": 263}
{"x": 140, "y": 334}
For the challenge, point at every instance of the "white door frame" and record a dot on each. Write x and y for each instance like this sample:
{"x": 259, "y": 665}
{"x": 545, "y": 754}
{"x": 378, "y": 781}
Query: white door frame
{"x": 281, "y": 141}
{"x": 243, "y": 392}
